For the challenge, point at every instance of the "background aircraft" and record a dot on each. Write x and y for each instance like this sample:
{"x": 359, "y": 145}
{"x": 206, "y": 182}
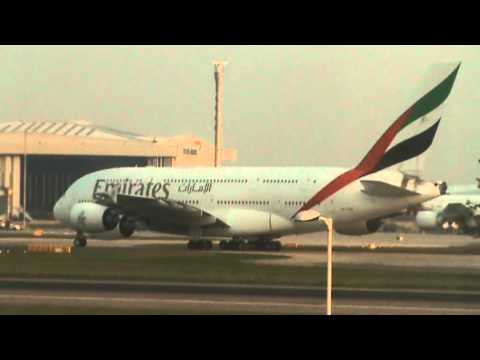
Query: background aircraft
{"x": 458, "y": 211}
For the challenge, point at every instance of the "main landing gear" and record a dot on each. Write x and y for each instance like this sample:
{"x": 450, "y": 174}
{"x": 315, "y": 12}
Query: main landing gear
{"x": 237, "y": 243}
{"x": 200, "y": 245}
{"x": 242, "y": 244}
{"x": 80, "y": 240}
{"x": 268, "y": 245}
{"x": 234, "y": 244}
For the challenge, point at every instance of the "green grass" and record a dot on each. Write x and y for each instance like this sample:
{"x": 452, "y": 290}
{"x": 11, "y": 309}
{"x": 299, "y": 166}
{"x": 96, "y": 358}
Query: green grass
{"x": 175, "y": 263}
{"x": 164, "y": 262}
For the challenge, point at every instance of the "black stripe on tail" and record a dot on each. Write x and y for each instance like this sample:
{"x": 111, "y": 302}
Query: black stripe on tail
{"x": 408, "y": 149}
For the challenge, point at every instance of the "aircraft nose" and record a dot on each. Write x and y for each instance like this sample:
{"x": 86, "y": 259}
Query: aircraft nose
{"x": 58, "y": 210}
{"x": 55, "y": 209}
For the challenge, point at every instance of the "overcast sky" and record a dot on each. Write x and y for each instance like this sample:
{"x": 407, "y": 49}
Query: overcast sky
{"x": 284, "y": 105}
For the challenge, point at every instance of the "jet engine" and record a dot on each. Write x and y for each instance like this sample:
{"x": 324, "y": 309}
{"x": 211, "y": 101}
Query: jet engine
{"x": 93, "y": 218}
{"x": 428, "y": 219}
{"x": 359, "y": 228}
{"x": 125, "y": 228}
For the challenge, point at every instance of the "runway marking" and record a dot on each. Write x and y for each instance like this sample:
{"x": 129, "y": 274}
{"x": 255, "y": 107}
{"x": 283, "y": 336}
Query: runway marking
{"x": 414, "y": 308}
{"x": 153, "y": 300}
{"x": 240, "y": 303}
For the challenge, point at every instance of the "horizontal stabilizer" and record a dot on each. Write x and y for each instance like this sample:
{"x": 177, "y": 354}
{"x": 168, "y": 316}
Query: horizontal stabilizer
{"x": 382, "y": 189}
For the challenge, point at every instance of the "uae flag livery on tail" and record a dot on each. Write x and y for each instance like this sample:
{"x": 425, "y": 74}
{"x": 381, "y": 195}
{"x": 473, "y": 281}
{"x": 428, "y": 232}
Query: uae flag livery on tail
{"x": 378, "y": 158}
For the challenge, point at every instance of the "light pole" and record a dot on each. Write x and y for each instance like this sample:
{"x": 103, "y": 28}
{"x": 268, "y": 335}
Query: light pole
{"x": 313, "y": 215}
{"x": 219, "y": 67}
{"x": 24, "y": 179}
{"x": 329, "y": 223}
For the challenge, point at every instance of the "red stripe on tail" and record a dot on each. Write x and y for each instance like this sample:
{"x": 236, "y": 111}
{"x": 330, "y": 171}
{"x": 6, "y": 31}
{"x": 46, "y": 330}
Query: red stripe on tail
{"x": 365, "y": 167}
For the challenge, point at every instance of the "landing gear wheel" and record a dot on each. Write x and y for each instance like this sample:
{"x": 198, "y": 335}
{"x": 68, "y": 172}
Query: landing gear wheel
{"x": 194, "y": 245}
{"x": 200, "y": 245}
{"x": 80, "y": 242}
{"x": 260, "y": 245}
{"x": 223, "y": 245}
{"x": 268, "y": 245}
{"x": 229, "y": 245}
{"x": 277, "y": 245}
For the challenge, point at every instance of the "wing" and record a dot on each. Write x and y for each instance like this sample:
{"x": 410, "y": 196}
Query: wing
{"x": 160, "y": 213}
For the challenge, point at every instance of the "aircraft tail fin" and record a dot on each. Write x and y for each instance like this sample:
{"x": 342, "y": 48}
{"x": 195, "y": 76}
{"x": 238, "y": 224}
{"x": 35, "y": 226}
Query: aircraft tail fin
{"x": 413, "y": 168}
{"x": 380, "y": 156}
{"x": 433, "y": 75}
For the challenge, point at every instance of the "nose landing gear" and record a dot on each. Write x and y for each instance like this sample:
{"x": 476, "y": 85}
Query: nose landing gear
{"x": 80, "y": 240}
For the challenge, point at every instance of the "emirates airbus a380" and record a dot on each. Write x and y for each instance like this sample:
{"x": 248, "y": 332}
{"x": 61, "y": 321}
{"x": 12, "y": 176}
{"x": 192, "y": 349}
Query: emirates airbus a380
{"x": 256, "y": 205}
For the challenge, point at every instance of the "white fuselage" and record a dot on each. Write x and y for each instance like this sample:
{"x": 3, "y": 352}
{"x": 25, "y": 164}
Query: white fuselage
{"x": 251, "y": 200}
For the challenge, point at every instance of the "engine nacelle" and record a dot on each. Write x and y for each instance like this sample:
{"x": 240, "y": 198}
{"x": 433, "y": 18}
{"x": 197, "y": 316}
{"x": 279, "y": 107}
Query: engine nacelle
{"x": 359, "y": 228}
{"x": 93, "y": 218}
{"x": 428, "y": 219}
{"x": 125, "y": 228}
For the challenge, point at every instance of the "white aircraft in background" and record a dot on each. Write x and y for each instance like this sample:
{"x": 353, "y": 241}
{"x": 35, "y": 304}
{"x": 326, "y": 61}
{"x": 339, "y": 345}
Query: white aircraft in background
{"x": 458, "y": 211}
{"x": 256, "y": 204}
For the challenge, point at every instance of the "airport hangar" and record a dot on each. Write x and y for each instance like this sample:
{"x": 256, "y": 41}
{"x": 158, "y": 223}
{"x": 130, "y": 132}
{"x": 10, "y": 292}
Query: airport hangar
{"x": 58, "y": 153}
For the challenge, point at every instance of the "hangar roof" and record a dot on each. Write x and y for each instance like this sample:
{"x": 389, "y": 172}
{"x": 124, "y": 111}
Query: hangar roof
{"x": 77, "y": 138}
{"x": 69, "y": 128}
{"x": 84, "y": 138}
